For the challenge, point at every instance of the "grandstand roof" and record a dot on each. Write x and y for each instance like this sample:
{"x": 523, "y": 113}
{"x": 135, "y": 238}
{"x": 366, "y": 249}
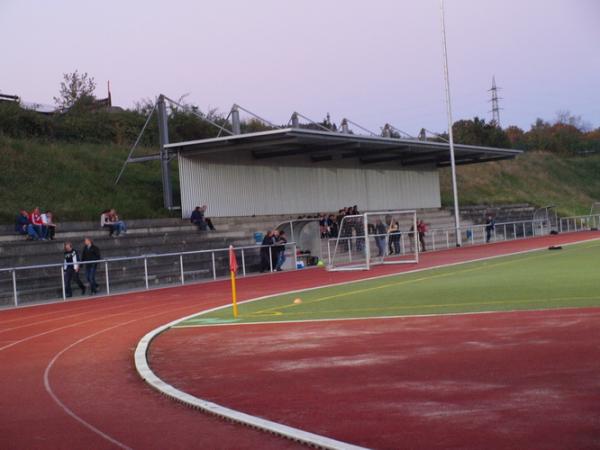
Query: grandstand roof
{"x": 322, "y": 146}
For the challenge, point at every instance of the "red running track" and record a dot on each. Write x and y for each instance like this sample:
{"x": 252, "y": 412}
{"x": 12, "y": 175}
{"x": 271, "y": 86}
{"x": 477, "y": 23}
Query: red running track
{"x": 66, "y": 369}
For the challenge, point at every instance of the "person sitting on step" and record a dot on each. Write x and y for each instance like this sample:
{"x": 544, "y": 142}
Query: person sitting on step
{"x": 197, "y": 218}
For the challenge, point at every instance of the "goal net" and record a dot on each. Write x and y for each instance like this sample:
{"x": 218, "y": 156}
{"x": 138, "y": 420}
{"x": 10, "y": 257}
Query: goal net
{"x": 374, "y": 238}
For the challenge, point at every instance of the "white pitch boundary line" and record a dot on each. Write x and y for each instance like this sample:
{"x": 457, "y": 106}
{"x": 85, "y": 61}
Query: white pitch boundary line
{"x": 295, "y": 434}
{"x": 402, "y": 316}
{"x": 143, "y": 368}
{"x": 378, "y": 277}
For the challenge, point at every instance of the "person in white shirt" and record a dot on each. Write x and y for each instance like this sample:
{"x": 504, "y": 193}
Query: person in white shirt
{"x": 48, "y": 221}
{"x": 105, "y": 222}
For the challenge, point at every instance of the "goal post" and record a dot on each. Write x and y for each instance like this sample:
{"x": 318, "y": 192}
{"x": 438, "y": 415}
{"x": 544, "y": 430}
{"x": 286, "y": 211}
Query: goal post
{"x": 373, "y": 238}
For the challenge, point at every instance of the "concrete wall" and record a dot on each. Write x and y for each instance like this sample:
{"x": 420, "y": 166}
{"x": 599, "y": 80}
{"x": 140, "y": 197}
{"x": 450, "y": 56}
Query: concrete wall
{"x": 242, "y": 188}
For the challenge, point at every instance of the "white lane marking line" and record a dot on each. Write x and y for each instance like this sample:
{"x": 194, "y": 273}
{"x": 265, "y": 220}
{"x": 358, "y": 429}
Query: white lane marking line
{"x": 37, "y": 316}
{"x": 64, "y": 407}
{"x": 378, "y": 277}
{"x": 71, "y": 325}
{"x": 56, "y": 318}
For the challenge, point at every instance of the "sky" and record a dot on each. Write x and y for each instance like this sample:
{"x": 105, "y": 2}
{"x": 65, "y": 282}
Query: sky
{"x": 372, "y": 62}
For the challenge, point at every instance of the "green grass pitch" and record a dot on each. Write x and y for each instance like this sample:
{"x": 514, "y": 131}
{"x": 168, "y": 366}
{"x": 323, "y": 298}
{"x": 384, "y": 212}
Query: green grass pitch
{"x": 536, "y": 280}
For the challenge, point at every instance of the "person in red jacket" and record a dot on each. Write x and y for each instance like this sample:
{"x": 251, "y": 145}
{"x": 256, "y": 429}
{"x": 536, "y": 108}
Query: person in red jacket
{"x": 422, "y": 229}
{"x": 35, "y": 218}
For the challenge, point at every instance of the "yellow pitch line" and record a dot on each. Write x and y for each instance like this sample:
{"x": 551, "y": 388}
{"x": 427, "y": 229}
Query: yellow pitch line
{"x": 443, "y": 305}
{"x": 398, "y": 283}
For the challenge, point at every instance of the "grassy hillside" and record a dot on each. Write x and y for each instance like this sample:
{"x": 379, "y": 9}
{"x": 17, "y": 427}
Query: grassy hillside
{"x": 538, "y": 178}
{"x": 76, "y": 181}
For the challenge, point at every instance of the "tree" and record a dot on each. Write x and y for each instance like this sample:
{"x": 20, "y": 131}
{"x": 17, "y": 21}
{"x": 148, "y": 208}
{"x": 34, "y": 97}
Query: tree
{"x": 516, "y": 136}
{"x": 75, "y": 88}
{"x": 477, "y": 132}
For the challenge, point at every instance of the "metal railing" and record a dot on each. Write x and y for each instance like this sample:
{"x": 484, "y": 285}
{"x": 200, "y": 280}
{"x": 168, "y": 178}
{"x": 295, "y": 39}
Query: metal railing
{"x": 578, "y": 223}
{"x": 445, "y": 238}
{"x": 249, "y": 257}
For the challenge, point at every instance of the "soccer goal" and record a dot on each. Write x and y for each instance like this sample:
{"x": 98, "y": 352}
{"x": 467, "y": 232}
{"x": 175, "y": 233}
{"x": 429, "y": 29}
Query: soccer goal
{"x": 373, "y": 238}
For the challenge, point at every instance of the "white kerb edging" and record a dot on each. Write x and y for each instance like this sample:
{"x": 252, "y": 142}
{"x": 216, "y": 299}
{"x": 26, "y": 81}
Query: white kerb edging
{"x": 143, "y": 369}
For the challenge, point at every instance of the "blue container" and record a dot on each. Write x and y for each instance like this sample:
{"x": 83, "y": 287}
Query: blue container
{"x": 258, "y": 237}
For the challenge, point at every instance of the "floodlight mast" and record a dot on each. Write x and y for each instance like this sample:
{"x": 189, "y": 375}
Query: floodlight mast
{"x": 450, "y": 134}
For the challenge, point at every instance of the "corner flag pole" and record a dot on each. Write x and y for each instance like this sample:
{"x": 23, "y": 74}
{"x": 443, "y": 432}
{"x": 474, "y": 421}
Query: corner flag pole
{"x": 450, "y": 134}
{"x": 233, "y": 267}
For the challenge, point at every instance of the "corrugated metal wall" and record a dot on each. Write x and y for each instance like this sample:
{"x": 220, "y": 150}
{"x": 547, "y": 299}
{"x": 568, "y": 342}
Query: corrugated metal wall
{"x": 243, "y": 190}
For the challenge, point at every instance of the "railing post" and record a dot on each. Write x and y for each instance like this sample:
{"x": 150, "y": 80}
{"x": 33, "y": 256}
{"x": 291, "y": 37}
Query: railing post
{"x": 349, "y": 250}
{"x": 328, "y": 253}
{"x": 146, "y": 271}
{"x": 524, "y": 234}
{"x": 106, "y": 277}
{"x": 271, "y": 258}
{"x": 14, "y": 283}
{"x": 62, "y": 282}
{"x": 433, "y": 240}
{"x": 181, "y": 269}
{"x": 243, "y": 264}
{"x": 447, "y": 239}
{"x": 401, "y": 245}
{"x": 214, "y": 266}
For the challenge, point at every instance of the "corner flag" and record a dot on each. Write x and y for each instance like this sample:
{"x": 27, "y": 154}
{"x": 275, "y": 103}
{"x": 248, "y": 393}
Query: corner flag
{"x": 233, "y": 267}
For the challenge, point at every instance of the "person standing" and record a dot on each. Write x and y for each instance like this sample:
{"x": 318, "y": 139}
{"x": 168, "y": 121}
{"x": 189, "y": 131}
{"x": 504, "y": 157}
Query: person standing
{"x": 394, "y": 233}
{"x": 380, "y": 234}
{"x": 71, "y": 269}
{"x": 490, "y": 226}
{"x": 91, "y": 252}
{"x": 281, "y": 242}
{"x": 422, "y": 229}
{"x": 265, "y": 253}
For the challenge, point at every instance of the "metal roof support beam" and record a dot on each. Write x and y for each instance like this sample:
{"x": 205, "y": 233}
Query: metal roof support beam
{"x": 135, "y": 144}
{"x": 235, "y": 120}
{"x": 163, "y": 136}
{"x": 140, "y": 159}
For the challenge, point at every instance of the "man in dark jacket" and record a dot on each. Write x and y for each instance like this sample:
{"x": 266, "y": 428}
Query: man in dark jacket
{"x": 380, "y": 232}
{"x": 91, "y": 253}
{"x": 22, "y": 225}
{"x": 197, "y": 218}
{"x": 266, "y": 255}
{"x": 280, "y": 251}
{"x": 71, "y": 269}
{"x": 490, "y": 225}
